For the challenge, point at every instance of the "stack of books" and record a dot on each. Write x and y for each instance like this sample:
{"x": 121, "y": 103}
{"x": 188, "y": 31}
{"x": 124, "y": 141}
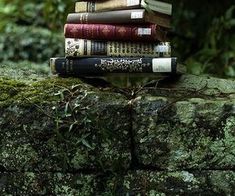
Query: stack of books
{"x": 117, "y": 36}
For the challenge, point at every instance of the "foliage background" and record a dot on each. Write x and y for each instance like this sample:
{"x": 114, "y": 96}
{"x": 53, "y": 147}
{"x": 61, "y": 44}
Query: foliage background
{"x": 202, "y": 35}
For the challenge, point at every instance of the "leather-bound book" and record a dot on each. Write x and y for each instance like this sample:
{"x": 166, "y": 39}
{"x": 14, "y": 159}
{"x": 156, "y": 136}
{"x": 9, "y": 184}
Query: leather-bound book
{"x": 103, "y": 65}
{"x": 150, "y": 32}
{"x": 133, "y": 16}
{"x": 164, "y": 7}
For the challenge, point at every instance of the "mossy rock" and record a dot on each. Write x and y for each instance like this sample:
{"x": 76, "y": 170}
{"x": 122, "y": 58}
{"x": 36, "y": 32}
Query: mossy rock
{"x": 62, "y": 124}
{"x": 47, "y": 183}
{"x": 62, "y": 136}
{"x": 186, "y": 124}
{"x": 173, "y": 183}
{"x": 133, "y": 183}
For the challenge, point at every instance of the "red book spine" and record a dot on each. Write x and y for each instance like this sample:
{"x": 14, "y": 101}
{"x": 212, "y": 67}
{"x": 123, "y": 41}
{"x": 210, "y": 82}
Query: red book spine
{"x": 112, "y": 32}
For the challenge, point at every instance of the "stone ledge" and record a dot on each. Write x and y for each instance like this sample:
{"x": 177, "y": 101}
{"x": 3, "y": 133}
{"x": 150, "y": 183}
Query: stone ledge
{"x": 186, "y": 124}
{"x": 62, "y": 124}
{"x": 133, "y": 183}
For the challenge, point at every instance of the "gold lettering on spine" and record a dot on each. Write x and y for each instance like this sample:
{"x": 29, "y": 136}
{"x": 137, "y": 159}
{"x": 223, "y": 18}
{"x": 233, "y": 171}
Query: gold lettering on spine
{"x": 109, "y": 48}
{"x": 126, "y": 48}
{"x": 86, "y": 18}
{"x": 89, "y": 43}
{"x": 81, "y": 18}
{"x": 75, "y": 47}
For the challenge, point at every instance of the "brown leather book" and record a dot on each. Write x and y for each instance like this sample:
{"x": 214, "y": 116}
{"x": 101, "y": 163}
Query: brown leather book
{"x": 134, "y": 16}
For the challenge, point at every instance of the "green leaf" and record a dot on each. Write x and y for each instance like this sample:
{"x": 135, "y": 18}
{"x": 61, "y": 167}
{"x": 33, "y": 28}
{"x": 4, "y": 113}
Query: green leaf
{"x": 85, "y": 143}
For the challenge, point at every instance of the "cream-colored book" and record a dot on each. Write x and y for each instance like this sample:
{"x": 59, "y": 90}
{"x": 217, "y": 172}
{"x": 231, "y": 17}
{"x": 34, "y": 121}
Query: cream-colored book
{"x": 83, "y": 47}
{"x": 97, "y": 6}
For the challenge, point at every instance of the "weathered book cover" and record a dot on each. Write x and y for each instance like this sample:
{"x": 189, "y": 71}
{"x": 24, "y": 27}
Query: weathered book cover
{"x": 97, "y": 6}
{"x": 163, "y": 7}
{"x": 93, "y": 6}
{"x": 133, "y": 16}
{"x": 142, "y": 33}
{"x": 84, "y": 47}
{"x": 100, "y": 66}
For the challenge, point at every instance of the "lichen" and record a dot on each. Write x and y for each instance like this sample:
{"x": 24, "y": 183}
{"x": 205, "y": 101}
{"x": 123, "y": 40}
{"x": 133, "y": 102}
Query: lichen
{"x": 65, "y": 125}
{"x": 174, "y": 133}
{"x": 60, "y": 136}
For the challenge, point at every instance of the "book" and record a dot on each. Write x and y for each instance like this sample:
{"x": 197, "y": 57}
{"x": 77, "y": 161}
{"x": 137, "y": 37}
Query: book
{"x": 134, "y": 16}
{"x": 84, "y": 47}
{"x": 163, "y": 7}
{"x": 97, "y": 6}
{"x": 150, "y": 32}
{"x": 103, "y": 65}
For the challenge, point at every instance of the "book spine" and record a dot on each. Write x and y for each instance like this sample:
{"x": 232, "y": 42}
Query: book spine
{"x": 135, "y": 16}
{"x": 99, "y": 66}
{"x": 92, "y": 6}
{"x": 114, "y": 32}
{"x": 84, "y": 47}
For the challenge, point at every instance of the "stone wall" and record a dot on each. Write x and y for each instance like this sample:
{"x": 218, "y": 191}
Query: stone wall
{"x": 61, "y": 136}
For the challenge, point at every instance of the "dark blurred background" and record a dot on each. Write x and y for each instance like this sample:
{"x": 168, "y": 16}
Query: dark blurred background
{"x": 203, "y": 36}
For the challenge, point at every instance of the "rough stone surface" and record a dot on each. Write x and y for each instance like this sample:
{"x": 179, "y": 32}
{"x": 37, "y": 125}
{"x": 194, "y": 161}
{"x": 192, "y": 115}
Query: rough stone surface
{"x": 133, "y": 183}
{"x": 174, "y": 183}
{"x": 62, "y": 124}
{"x": 30, "y": 183}
{"x": 186, "y": 129}
{"x": 61, "y": 136}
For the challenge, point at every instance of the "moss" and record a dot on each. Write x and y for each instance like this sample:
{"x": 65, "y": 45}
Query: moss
{"x": 44, "y": 91}
{"x": 67, "y": 124}
{"x": 133, "y": 183}
{"x": 63, "y": 125}
{"x": 9, "y": 89}
{"x": 24, "y": 70}
{"x": 172, "y": 183}
{"x": 225, "y": 147}
{"x": 17, "y": 154}
{"x": 172, "y": 133}
{"x": 30, "y": 183}
{"x": 40, "y": 92}
{"x": 205, "y": 85}
{"x": 223, "y": 182}
{"x": 185, "y": 112}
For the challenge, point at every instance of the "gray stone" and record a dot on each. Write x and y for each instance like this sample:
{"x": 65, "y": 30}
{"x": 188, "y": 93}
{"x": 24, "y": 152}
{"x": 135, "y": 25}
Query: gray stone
{"x": 182, "y": 127}
{"x": 173, "y": 183}
{"x": 60, "y": 136}
{"x": 62, "y": 124}
{"x": 30, "y": 183}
